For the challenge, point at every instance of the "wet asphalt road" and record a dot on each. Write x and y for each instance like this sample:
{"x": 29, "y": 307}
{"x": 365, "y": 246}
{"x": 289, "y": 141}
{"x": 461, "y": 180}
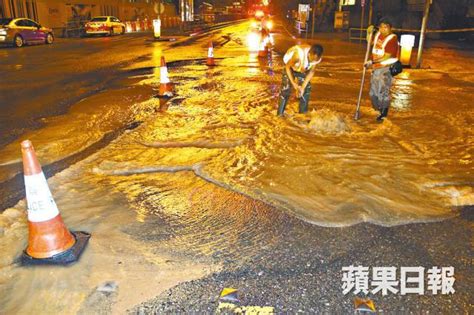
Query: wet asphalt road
{"x": 302, "y": 273}
{"x": 46, "y": 80}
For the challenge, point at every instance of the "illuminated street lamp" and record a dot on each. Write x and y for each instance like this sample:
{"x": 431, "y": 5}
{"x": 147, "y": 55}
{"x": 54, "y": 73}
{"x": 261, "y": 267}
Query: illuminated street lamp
{"x": 157, "y": 28}
{"x": 128, "y": 26}
{"x": 407, "y": 42}
{"x": 259, "y": 14}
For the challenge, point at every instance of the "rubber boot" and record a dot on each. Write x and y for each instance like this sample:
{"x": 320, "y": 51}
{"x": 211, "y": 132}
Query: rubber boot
{"x": 383, "y": 114}
{"x": 282, "y": 105}
{"x": 375, "y": 103}
{"x": 305, "y": 100}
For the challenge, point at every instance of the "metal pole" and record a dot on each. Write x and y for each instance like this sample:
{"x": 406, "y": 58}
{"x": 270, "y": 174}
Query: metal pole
{"x": 185, "y": 11}
{"x": 361, "y": 22}
{"x": 367, "y": 53}
{"x": 422, "y": 33}
{"x": 371, "y": 9}
{"x": 306, "y": 26}
{"x": 314, "y": 16}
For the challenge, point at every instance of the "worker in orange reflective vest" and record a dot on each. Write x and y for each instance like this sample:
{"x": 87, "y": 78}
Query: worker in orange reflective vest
{"x": 300, "y": 65}
{"x": 384, "y": 54}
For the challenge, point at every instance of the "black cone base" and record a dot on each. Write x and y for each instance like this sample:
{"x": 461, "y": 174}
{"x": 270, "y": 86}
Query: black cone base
{"x": 67, "y": 257}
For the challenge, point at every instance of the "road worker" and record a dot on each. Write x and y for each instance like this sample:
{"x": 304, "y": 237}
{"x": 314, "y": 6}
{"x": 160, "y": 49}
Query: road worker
{"x": 300, "y": 65}
{"x": 384, "y": 54}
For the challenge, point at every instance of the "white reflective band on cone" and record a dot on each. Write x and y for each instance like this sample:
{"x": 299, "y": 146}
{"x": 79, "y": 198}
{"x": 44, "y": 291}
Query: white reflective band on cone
{"x": 164, "y": 75}
{"x": 41, "y": 205}
{"x": 210, "y": 54}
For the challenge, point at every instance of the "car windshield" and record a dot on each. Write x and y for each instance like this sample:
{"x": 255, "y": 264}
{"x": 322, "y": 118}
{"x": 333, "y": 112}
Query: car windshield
{"x": 99, "y": 19}
{"x": 5, "y": 21}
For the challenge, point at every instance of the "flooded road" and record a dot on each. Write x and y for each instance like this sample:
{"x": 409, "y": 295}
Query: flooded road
{"x": 212, "y": 176}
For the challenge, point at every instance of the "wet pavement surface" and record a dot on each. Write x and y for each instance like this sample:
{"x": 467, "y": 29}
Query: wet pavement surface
{"x": 302, "y": 272}
{"x": 210, "y": 189}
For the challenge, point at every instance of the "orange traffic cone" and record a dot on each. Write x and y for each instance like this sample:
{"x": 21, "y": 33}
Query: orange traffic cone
{"x": 49, "y": 241}
{"x": 210, "y": 56}
{"x": 263, "y": 49}
{"x": 166, "y": 88}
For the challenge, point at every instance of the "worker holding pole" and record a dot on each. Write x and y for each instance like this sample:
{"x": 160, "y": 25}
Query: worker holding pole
{"x": 384, "y": 54}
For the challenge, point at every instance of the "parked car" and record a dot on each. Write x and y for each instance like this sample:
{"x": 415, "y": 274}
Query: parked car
{"x": 22, "y": 31}
{"x": 104, "y": 25}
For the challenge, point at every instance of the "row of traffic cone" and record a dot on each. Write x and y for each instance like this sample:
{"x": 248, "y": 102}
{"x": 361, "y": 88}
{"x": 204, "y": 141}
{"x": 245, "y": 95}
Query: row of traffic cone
{"x": 49, "y": 240}
{"x": 166, "y": 87}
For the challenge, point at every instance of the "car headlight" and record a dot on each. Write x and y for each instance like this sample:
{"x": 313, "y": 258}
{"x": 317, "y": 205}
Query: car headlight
{"x": 3, "y": 32}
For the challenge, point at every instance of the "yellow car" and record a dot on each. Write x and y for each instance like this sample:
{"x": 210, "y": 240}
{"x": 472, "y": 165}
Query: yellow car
{"x": 104, "y": 25}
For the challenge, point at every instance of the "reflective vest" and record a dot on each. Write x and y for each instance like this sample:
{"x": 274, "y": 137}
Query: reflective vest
{"x": 303, "y": 64}
{"x": 378, "y": 51}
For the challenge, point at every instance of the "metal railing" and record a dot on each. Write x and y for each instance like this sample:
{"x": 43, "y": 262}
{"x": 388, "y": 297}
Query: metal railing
{"x": 73, "y": 29}
{"x": 356, "y": 33}
{"x": 459, "y": 30}
{"x": 299, "y": 27}
{"x": 360, "y": 34}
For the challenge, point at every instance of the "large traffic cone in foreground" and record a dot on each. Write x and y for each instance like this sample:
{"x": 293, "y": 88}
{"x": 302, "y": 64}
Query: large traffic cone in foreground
{"x": 210, "y": 56}
{"x": 166, "y": 88}
{"x": 49, "y": 241}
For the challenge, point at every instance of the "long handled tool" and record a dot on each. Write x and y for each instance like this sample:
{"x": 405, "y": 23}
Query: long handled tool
{"x": 369, "y": 43}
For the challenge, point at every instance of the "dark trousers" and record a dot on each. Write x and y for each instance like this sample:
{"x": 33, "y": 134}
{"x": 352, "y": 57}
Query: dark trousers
{"x": 285, "y": 92}
{"x": 380, "y": 84}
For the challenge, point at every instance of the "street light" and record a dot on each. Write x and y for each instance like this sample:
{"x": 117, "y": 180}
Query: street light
{"x": 128, "y": 26}
{"x": 157, "y": 28}
{"x": 407, "y": 42}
